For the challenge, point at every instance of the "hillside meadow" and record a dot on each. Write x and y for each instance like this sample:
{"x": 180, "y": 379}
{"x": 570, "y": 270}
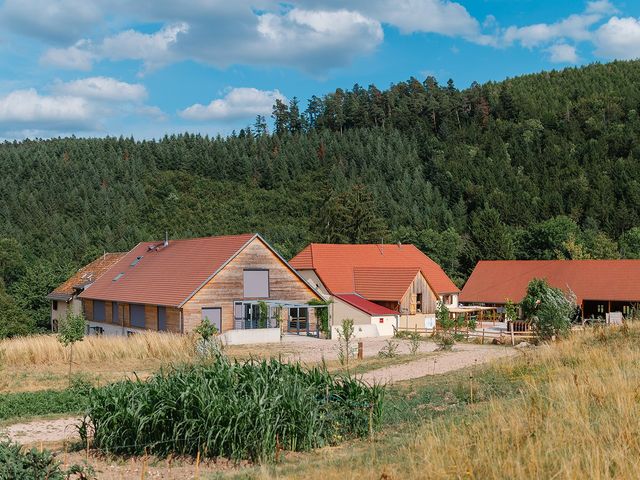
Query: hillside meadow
{"x": 565, "y": 411}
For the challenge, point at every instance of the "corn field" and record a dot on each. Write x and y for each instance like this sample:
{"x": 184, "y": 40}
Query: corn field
{"x": 238, "y": 410}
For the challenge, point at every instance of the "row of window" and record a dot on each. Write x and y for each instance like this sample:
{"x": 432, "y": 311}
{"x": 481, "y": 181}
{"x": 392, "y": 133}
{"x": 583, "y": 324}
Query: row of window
{"x": 137, "y": 317}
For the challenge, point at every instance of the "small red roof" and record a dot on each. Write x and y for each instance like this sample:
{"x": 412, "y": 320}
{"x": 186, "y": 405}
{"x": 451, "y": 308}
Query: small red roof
{"x": 166, "y": 275}
{"x": 85, "y": 276}
{"x": 341, "y": 267}
{"x": 365, "y": 305}
{"x": 380, "y": 284}
{"x": 502, "y": 280}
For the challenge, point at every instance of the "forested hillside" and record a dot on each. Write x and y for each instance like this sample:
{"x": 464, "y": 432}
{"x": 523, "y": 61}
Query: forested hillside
{"x": 540, "y": 166}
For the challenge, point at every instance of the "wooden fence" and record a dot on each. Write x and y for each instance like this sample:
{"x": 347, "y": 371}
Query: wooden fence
{"x": 517, "y": 332}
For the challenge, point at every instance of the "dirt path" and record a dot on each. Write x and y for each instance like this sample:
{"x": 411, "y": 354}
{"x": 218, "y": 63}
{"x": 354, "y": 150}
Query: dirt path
{"x": 460, "y": 357}
{"x": 45, "y": 431}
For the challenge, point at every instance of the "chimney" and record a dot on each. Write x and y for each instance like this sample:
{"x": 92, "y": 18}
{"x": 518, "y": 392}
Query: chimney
{"x": 166, "y": 239}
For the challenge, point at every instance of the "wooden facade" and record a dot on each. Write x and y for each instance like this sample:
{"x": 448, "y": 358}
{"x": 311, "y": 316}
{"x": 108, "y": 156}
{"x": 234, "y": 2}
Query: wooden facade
{"x": 227, "y": 287}
{"x": 172, "y": 315}
{"x": 419, "y": 298}
{"x": 222, "y": 291}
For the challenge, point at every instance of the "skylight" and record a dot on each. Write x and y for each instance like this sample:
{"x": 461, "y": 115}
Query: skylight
{"x": 135, "y": 262}
{"x": 118, "y": 276}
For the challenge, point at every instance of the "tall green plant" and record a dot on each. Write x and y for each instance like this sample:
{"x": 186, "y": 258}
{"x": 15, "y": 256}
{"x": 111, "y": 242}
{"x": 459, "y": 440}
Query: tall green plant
{"x": 247, "y": 410}
{"x": 345, "y": 342}
{"x": 443, "y": 318}
{"x": 548, "y": 309}
{"x": 322, "y": 315}
{"x": 264, "y": 314}
{"x": 511, "y": 311}
{"x": 71, "y": 329}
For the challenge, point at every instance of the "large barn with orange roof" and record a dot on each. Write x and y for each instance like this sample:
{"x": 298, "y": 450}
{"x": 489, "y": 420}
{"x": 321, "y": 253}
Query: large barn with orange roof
{"x": 377, "y": 284}
{"x": 238, "y": 282}
{"x": 599, "y": 286}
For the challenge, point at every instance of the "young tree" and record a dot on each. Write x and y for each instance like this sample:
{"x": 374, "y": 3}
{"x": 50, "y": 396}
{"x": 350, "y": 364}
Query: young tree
{"x": 71, "y": 329}
{"x": 548, "y": 309}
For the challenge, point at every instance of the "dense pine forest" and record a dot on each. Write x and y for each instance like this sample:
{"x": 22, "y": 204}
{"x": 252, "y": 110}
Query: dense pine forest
{"x": 540, "y": 166}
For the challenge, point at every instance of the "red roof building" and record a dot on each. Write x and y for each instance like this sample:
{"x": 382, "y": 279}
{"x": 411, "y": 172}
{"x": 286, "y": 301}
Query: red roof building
{"x": 398, "y": 278}
{"x": 174, "y": 285}
{"x": 600, "y": 286}
{"x": 341, "y": 266}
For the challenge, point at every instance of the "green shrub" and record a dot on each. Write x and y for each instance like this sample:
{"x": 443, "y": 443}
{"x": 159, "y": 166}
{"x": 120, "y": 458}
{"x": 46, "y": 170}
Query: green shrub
{"x": 322, "y": 316}
{"x": 548, "y": 309}
{"x": 390, "y": 350}
{"x": 248, "y": 410}
{"x": 15, "y": 463}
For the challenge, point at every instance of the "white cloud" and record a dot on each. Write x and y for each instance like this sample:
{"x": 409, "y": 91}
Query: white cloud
{"x": 575, "y": 27}
{"x": 238, "y": 103}
{"x": 563, "y": 53}
{"x": 151, "y": 111}
{"x": 312, "y": 40}
{"x": 29, "y": 108}
{"x": 154, "y": 49}
{"x": 75, "y": 57}
{"x": 102, "y": 88}
{"x": 601, "y": 6}
{"x": 619, "y": 38}
{"x": 51, "y": 20}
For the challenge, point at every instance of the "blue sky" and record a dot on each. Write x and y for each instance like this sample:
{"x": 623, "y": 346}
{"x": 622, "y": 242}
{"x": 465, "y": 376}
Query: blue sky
{"x": 150, "y": 67}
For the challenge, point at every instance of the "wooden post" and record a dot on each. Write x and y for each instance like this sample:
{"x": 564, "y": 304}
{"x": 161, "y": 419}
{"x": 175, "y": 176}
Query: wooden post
{"x": 482, "y": 341}
{"x": 197, "y": 473}
{"x": 360, "y": 350}
{"x": 513, "y": 339}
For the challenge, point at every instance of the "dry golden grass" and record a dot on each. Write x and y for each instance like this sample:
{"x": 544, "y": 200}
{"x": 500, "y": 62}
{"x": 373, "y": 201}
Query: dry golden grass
{"x": 41, "y": 362}
{"x": 46, "y": 349}
{"x": 576, "y": 417}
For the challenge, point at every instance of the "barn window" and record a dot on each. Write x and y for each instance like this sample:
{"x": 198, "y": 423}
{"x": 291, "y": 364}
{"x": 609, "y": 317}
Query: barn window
{"x": 115, "y": 312}
{"x": 162, "y": 319}
{"x": 600, "y": 308}
{"x": 137, "y": 316}
{"x": 256, "y": 284}
{"x": 419, "y": 302}
{"x": 98, "y": 311}
{"x": 54, "y": 304}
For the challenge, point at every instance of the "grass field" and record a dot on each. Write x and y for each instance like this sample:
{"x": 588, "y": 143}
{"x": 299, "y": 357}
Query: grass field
{"x": 565, "y": 411}
{"x": 36, "y": 363}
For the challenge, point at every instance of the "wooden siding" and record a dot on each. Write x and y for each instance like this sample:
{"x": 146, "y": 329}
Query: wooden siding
{"x": 124, "y": 320}
{"x": 227, "y": 286}
{"x": 429, "y": 298}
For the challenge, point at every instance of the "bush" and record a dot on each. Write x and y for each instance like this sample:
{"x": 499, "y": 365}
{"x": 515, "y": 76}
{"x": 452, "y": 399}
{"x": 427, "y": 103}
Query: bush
{"x": 390, "y": 350}
{"x": 548, "y": 309}
{"x": 34, "y": 465}
{"x": 248, "y": 410}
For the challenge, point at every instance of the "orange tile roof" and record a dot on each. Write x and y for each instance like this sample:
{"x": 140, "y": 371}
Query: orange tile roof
{"x": 383, "y": 284}
{"x": 166, "y": 275}
{"x": 336, "y": 265}
{"x": 86, "y": 275}
{"x": 497, "y": 281}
